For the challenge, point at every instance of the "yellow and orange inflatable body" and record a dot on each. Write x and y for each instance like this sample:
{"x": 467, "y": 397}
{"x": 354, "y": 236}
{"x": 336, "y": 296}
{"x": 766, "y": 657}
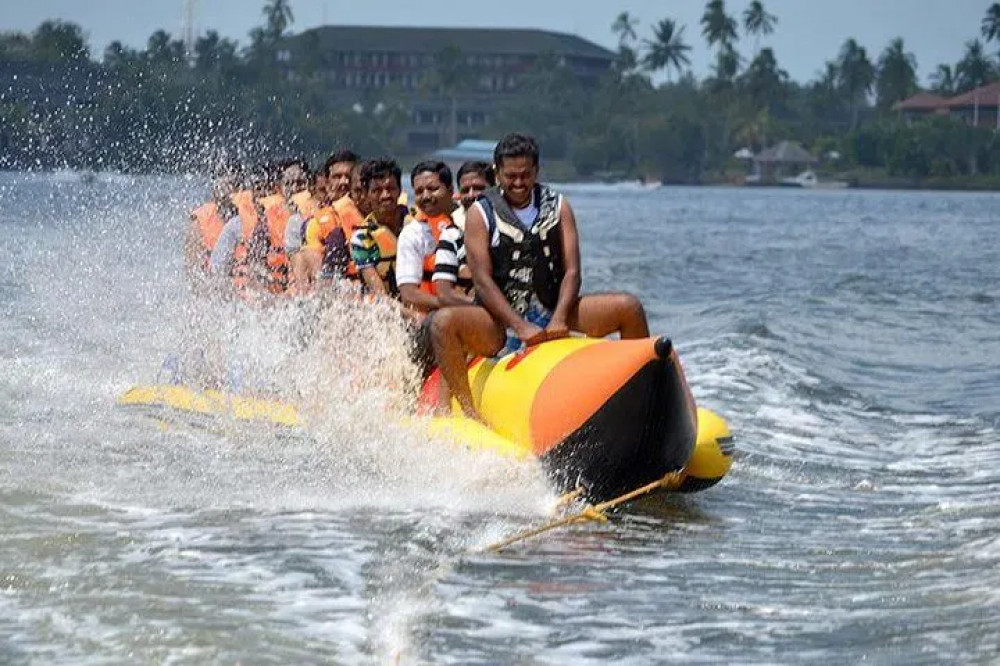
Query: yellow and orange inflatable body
{"x": 605, "y": 415}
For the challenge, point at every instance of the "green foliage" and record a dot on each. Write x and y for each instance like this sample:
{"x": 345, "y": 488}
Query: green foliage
{"x": 674, "y": 147}
{"x": 943, "y": 80}
{"x": 934, "y": 147}
{"x": 59, "y": 41}
{"x": 160, "y": 108}
{"x": 667, "y": 50}
{"x": 624, "y": 26}
{"x": 756, "y": 20}
{"x": 550, "y": 106}
{"x": 278, "y": 14}
{"x": 855, "y": 76}
{"x": 764, "y": 82}
{"x": 991, "y": 23}
{"x": 974, "y": 69}
{"x": 897, "y": 75}
{"x": 718, "y": 27}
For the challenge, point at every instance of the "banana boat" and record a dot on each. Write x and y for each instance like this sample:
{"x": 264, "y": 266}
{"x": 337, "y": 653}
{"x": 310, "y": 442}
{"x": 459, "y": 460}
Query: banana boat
{"x": 604, "y": 416}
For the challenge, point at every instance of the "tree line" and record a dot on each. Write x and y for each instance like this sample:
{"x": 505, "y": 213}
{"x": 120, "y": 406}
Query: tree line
{"x": 166, "y": 107}
{"x": 692, "y": 127}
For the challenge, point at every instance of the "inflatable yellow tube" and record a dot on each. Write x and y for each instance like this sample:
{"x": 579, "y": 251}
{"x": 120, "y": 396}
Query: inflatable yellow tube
{"x": 606, "y": 415}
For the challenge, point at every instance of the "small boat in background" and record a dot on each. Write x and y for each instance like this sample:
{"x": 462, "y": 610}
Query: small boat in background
{"x": 809, "y": 180}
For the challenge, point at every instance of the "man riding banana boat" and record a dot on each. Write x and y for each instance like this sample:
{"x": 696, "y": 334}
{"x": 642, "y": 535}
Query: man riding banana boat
{"x": 523, "y": 250}
{"x": 488, "y": 281}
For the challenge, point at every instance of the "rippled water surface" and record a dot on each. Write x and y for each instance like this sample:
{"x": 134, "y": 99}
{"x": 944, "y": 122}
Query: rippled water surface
{"x": 849, "y": 338}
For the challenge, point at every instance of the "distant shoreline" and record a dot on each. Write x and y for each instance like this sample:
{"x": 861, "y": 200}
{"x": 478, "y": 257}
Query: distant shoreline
{"x": 874, "y": 181}
{"x": 886, "y": 183}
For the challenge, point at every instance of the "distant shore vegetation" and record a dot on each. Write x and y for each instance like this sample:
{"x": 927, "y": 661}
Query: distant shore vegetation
{"x": 175, "y": 107}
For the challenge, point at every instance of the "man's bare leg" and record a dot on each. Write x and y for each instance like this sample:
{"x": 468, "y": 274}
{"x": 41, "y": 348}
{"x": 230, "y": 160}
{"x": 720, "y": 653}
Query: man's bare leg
{"x": 456, "y": 332}
{"x": 598, "y": 315}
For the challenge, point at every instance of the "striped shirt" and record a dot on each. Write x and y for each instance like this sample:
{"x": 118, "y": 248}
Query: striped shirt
{"x": 450, "y": 254}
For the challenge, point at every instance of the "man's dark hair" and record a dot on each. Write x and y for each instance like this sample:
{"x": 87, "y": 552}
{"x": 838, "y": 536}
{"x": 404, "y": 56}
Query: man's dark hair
{"x": 339, "y": 156}
{"x": 382, "y": 167}
{"x": 263, "y": 175}
{"x": 484, "y": 169}
{"x": 516, "y": 145}
{"x": 431, "y": 166}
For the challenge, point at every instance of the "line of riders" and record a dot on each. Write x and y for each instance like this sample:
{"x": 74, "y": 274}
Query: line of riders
{"x": 486, "y": 271}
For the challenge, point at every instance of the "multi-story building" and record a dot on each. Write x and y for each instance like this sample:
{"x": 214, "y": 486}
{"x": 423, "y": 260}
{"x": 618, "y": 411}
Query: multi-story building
{"x": 450, "y": 79}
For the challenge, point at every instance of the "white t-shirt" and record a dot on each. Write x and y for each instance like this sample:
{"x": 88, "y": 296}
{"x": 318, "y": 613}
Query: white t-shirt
{"x": 528, "y": 214}
{"x": 415, "y": 242}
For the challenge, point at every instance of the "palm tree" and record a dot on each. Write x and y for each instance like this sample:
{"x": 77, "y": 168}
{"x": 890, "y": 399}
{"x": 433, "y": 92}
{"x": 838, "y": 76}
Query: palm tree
{"x": 823, "y": 94}
{"x": 991, "y": 23}
{"x": 624, "y": 26}
{"x": 162, "y": 50}
{"x": 214, "y": 52}
{"x": 727, "y": 64}
{"x": 667, "y": 50}
{"x": 757, "y": 22}
{"x": 716, "y": 25}
{"x": 943, "y": 80}
{"x": 55, "y": 41}
{"x": 897, "y": 74}
{"x": 117, "y": 55}
{"x": 278, "y": 14}
{"x": 628, "y": 60}
{"x": 15, "y": 46}
{"x": 764, "y": 80}
{"x": 974, "y": 69}
{"x": 855, "y": 76}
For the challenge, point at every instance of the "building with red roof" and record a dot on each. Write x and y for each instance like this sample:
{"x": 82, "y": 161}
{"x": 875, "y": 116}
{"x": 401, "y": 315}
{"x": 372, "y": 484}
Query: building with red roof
{"x": 979, "y": 107}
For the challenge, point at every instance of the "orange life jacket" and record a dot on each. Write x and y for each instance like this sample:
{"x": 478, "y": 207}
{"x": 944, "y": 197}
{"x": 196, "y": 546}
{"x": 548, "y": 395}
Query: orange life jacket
{"x": 386, "y": 240}
{"x": 437, "y": 224}
{"x": 328, "y": 220}
{"x": 350, "y": 217}
{"x": 351, "y": 220}
{"x": 262, "y": 241}
{"x": 243, "y": 200}
{"x": 209, "y": 225}
{"x": 305, "y": 204}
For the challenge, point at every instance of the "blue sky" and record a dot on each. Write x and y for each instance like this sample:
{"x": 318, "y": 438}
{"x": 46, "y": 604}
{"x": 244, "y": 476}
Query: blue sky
{"x": 809, "y": 31}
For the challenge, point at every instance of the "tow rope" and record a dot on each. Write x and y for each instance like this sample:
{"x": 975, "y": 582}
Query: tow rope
{"x": 591, "y": 512}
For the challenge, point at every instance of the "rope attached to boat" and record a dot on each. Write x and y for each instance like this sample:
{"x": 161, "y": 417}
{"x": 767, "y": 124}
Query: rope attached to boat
{"x": 591, "y": 512}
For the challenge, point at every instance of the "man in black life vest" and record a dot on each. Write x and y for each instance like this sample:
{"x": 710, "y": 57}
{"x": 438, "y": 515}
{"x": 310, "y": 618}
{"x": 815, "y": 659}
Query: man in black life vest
{"x": 523, "y": 250}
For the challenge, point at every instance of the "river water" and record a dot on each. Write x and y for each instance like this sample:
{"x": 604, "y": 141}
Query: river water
{"x": 851, "y": 339}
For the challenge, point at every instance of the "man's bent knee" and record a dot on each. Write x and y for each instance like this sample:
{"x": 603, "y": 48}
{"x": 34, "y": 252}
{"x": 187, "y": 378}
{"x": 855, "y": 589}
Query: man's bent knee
{"x": 630, "y": 305}
{"x": 475, "y": 331}
{"x": 442, "y": 325}
{"x": 631, "y": 315}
